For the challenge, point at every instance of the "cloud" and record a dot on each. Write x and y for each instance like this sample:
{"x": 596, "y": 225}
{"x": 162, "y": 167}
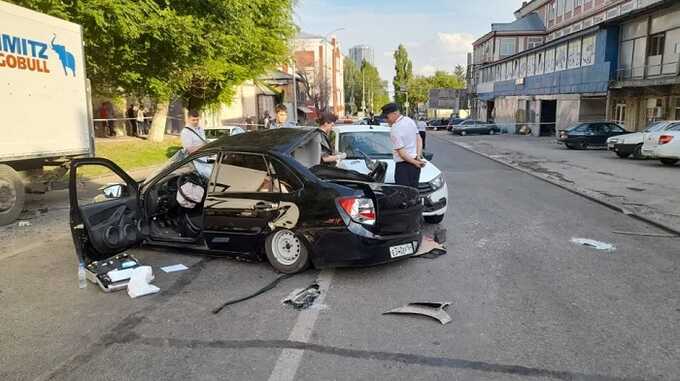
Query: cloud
{"x": 426, "y": 70}
{"x": 456, "y": 43}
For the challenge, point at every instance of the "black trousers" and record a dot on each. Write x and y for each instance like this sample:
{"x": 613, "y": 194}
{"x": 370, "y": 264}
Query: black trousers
{"x": 406, "y": 174}
{"x": 422, "y": 136}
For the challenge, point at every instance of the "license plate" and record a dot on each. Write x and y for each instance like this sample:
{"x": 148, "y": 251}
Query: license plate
{"x": 401, "y": 250}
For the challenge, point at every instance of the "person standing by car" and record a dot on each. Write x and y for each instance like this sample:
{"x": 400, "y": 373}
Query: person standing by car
{"x": 422, "y": 130}
{"x": 281, "y": 118}
{"x": 406, "y": 144}
{"x": 140, "y": 121}
{"x": 328, "y": 156}
{"x": 193, "y": 138}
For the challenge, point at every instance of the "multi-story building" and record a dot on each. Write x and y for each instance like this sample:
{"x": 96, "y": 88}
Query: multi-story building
{"x": 553, "y": 78}
{"x": 319, "y": 62}
{"x": 360, "y": 53}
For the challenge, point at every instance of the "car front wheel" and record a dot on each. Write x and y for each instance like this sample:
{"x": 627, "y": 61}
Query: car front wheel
{"x": 622, "y": 155}
{"x": 669, "y": 162}
{"x": 463, "y": 133}
{"x": 286, "y": 252}
{"x": 434, "y": 219}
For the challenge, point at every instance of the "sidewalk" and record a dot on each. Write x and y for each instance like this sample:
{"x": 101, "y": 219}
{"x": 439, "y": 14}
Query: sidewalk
{"x": 641, "y": 187}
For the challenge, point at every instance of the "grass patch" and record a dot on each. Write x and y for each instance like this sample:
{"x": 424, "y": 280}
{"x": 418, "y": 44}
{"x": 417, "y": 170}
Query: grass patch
{"x": 131, "y": 154}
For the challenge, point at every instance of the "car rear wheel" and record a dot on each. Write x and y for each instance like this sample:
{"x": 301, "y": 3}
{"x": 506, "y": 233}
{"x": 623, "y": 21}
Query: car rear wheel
{"x": 492, "y": 132}
{"x": 622, "y": 155}
{"x": 434, "y": 219}
{"x": 669, "y": 162}
{"x": 286, "y": 252}
{"x": 637, "y": 154}
{"x": 582, "y": 145}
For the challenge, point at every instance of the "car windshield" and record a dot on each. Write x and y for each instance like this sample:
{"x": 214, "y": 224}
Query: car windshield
{"x": 215, "y": 134}
{"x": 375, "y": 144}
{"x": 656, "y": 126}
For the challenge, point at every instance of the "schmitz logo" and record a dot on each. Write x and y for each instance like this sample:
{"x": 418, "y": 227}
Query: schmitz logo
{"x": 26, "y": 54}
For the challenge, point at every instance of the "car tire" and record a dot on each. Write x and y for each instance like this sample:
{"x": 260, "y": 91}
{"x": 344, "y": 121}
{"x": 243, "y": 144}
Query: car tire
{"x": 434, "y": 220}
{"x": 622, "y": 155}
{"x": 637, "y": 153}
{"x": 463, "y": 133}
{"x": 569, "y": 146}
{"x": 669, "y": 162}
{"x": 12, "y": 195}
{"x": 286, "y": 252}
{"x": 492, "y": 132}
{"x": 582, "y": 145}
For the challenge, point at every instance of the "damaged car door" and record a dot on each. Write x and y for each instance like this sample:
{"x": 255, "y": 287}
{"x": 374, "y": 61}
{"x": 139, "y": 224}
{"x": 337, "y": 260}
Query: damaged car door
{"x": 105, "y": 214}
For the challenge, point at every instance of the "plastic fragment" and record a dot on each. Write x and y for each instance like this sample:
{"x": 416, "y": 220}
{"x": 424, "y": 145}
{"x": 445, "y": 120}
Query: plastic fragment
{"x": 597, "y": 245}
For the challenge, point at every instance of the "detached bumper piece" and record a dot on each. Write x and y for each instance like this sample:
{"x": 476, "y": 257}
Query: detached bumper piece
{"x": 433, "y": 310}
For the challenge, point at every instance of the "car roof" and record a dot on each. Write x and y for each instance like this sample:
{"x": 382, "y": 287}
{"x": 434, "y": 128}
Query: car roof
{"x": 360, "y": 128}
{"x": 281, "y": 140}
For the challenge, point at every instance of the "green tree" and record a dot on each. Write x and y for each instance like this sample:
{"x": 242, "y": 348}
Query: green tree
{"x": 352, "y": 85}
{"x": 404, "y": 74}
{"x": 459, "y": 72}
{"x": 196, "y": 50}
{"x": 373, "y": 88}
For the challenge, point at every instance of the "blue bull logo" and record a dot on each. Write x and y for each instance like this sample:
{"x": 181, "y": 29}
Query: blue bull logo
{"x": 68, "y": 62}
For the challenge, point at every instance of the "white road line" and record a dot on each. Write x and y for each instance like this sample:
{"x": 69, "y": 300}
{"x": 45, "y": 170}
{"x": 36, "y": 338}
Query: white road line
{"x": 289, "y": 360}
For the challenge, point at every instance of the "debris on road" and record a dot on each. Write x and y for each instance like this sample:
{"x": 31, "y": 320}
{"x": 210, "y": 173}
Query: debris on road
{"x": 430, "y": 309}
{"x": 440, "y": 235}
{"x": 656, "y": 235}
{"x": 430, "y": 249}
{"x": 140, "y": 282}
{"x": 302, "y": 298}
{"x": 23, "y": 224}
{"x": 597, "y": 245}
{"x": 174, "y": 268}
{"x": 112, "y": 274}
{"x": 261, "y": 291}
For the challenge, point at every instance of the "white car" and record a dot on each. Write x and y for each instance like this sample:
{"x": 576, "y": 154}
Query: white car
{"x": 374, "y": 142}
{"x": 214, "y": 133}
{"x": 663, "y": 145}
{"x": 631, "y": 144}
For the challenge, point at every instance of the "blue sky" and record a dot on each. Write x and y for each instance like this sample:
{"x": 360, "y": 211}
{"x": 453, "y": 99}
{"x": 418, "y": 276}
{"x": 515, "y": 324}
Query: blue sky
{"x": 437, "y": 33}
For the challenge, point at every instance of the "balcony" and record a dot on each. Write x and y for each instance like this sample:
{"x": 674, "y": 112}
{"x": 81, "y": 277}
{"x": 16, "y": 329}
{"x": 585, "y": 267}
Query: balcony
{"x": 654, "y": 70}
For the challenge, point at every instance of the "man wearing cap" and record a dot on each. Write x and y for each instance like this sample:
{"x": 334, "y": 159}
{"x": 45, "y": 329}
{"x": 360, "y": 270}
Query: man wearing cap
{"x": 407, "y": 146}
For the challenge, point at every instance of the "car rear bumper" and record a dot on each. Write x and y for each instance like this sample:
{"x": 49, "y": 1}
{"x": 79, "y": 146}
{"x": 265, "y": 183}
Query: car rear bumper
{"x": 625, "y": 149}
{"x": 666, "y": 151}
{"x": 342, "y": 248}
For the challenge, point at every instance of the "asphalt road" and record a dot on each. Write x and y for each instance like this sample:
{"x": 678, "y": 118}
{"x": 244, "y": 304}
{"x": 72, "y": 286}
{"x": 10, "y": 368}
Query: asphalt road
{"x": 527, "y": 303}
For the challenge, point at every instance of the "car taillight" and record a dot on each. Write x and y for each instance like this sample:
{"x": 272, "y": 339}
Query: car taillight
{"x": 360, "y": 210}
{"x": 665, "y": 139}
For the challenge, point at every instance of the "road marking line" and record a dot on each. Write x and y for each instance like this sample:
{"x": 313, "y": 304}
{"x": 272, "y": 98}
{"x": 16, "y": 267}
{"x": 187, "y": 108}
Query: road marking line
{"x": 289, "y": 361}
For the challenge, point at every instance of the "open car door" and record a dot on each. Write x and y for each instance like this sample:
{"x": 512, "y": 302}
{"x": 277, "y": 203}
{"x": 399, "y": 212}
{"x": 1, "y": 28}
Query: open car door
{"x": 105, "y": 211}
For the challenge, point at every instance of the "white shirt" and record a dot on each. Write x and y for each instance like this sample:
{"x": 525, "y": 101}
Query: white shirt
{"x": 404, "y": 134}
{"x": 190, "y": 141}
{"x": 422, "y": 126}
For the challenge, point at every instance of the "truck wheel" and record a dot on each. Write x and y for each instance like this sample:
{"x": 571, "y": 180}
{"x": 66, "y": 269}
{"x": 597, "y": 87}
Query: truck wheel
{"x": 12, "y": 195}
{"x": 286, "y": 252}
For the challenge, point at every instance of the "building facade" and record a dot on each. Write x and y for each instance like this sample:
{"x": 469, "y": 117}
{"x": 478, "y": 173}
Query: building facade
{"x": 552, "y": 79}
{"x": 319, "y": 62}
{"x": 360, "y": 53}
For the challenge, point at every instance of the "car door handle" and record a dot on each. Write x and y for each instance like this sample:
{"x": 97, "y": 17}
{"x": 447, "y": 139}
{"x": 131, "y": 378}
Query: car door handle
{"x": 264, "y": 206}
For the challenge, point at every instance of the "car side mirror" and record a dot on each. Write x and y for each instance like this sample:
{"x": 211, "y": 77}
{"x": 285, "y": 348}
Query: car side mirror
{"x": 114, "y": 191}
{"x": 428, "y": 156}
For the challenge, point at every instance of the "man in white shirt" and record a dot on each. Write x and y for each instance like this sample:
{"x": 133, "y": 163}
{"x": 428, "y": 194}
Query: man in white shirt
{"x": 193, "y": 138}
{"x": 406, "y": 144}
{"x": 422, "y": 130}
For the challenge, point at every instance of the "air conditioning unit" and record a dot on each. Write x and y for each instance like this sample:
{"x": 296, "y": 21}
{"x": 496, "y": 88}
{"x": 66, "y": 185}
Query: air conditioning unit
{"x": 519, "y": 81}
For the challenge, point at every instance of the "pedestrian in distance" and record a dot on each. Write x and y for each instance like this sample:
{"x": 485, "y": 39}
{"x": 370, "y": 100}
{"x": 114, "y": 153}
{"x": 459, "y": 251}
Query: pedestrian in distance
{"x": 267, "y": 120}
{"x": 140, "y": 121}
{"x": 422, "y": 130}
{"x": 281, "y": 117}
{"x": 407, "y": 146}
{"x": 129, "y": 119}
{"x": 328, "y": 156}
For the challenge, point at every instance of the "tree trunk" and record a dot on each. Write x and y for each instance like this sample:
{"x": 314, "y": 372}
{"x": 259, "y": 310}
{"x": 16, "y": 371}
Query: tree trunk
{"x": 157, "y": 131}
{"x": 118, "y": 106}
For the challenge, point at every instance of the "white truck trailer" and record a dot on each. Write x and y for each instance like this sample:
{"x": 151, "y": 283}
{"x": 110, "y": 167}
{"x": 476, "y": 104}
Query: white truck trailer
{"x": 45, "y": 108}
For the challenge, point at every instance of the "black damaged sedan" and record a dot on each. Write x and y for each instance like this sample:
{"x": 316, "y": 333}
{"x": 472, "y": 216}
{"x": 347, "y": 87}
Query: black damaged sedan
{"x": 259, "y": 195}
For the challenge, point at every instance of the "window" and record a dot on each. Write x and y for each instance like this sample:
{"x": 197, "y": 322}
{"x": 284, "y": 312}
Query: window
{"x": 569, "y": 6}
{"x": 531, "y": 65}
{"x": 578, "y": 3}
{"x": 561, "y": 57}
{"x": 285, "y": 181}
{"x": 115, "y": 189}
{"x": 560, "y": 8}
{"x": 508, "y": 46}
{"x": 550, "y": 60}
{"x": 574, "y": 56}
{"x": 588, "y": 51}
{"x": 533, "y": 42}
{"x": 243, "y": 173}
{"x": 540, "y": 64}
{"x": 656, "y": 44}
{"x": 552, "y": 8}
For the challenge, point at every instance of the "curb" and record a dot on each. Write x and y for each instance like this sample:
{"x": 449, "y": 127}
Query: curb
{"x": 573, "y": 190}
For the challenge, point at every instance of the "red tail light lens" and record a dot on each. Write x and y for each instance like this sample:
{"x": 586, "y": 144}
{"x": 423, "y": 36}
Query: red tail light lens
{"x": 665, "y": 139}
{"x": 360, "y": 210}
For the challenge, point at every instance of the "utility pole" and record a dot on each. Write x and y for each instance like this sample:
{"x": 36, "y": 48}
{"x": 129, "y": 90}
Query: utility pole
{"x": 363, "y": 91}
{"x": 295, "y": 93}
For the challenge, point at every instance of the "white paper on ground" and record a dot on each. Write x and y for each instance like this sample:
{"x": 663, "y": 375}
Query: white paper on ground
{"x": 139, "y": 282}
{"x": 174, "y": 268}
{"x": 597, "y": 245}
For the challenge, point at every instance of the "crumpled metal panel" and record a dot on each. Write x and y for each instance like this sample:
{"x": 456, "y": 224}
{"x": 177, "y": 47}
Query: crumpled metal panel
{"x": 434, "y": 310}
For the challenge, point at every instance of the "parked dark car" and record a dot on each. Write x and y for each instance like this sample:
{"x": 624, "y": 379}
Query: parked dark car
{"x": 454, "y": 122}
{"x": 589, "y": 134}
{"x": 475, "y": 127}
{"x": 257, "y": 195}
{"x": 436, "y": 124}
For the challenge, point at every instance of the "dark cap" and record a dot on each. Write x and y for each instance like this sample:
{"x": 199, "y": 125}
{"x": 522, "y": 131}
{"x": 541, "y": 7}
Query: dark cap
{"x": 389, "y": 108}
